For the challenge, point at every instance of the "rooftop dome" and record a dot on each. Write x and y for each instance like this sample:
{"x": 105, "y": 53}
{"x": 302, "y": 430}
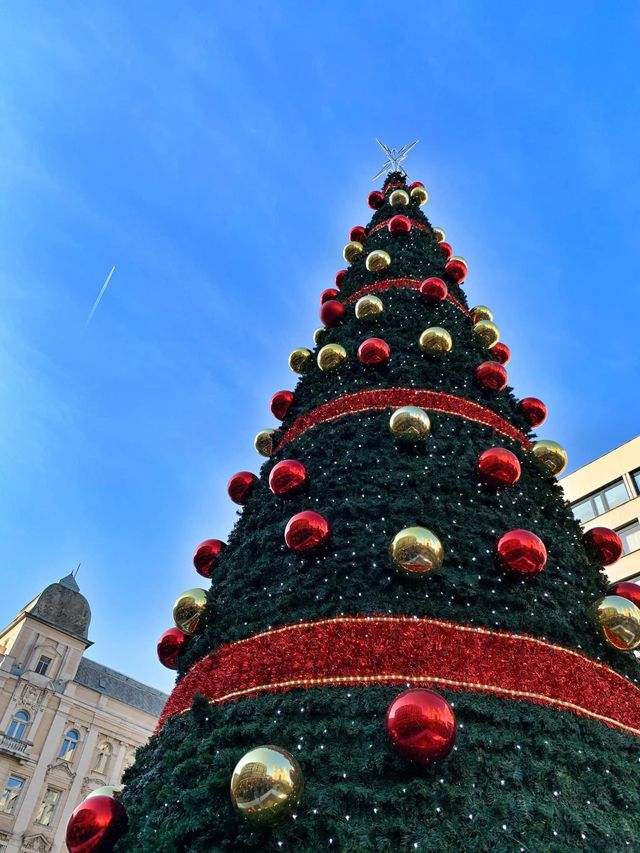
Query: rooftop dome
{"x": 62, "y": 606}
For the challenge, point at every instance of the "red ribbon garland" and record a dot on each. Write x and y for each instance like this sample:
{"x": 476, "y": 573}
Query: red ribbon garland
{"x": 412, "y": 283}
{"x": 392, "y": 398}
{"x": 361, "y": 650}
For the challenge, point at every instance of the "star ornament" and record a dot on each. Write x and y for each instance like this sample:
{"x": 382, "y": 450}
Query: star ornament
{"x": 394, "y": 156}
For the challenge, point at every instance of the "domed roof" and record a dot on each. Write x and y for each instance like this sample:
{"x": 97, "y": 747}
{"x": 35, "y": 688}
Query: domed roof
{"x": 62, "y": 606}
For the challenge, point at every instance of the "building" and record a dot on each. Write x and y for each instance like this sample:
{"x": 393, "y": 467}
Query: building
{"x": 606, "y": 493}
{"x": 68, "y": 725}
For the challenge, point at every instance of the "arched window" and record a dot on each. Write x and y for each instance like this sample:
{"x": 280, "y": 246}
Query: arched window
{"x": 18, "y": 726}
{"x": 104, "y": 754}
{"x": 69, "y": 745}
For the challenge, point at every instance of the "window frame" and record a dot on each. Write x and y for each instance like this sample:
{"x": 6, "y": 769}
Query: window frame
{"x": 103, "y": 756}
{"x": 622, "y": 528}
{"x": 601, "y": 494}
{"x": 7, "y": 790}
{"x": 67, "y": 754}
{"x": 45, "y": 669}
{"x": 43, "y": 805}
{"x": 24, "y": 724}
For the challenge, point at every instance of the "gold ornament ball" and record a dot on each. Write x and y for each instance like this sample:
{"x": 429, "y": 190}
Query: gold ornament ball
{"x": 420, "y": 195}
{"x": 481, "y": 312}
{"x": 551, "y": 454}
{"x": 378, "y": 260}
{"x": 618, "y": 622}
{"x": 351, "y": 251}
{"x": 188, "y": 610}
{"x": 487, "y": 333}
{"x": 436, "y": 340}
{"x": 399, "y": 198}
{"x": 331, "y": 356}
{"x": 266, "y": 785}
{"x": 369, "y": 308}
{"x": 439, "y": 234}
{"x": 416, "y": 551}
{"x": 264, "y": 442}
{"x": 318, "y": 334}
{"x": 299, "y": 358}
{"x": 409, "y": 424}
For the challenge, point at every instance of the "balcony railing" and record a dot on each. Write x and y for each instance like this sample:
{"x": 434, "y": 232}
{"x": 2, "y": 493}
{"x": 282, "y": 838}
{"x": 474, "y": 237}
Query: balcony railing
{"x": 15, "y": 747}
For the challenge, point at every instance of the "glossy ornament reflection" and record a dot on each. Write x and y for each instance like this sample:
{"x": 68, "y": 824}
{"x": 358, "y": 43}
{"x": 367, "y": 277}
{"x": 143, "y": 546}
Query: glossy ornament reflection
{"x": 439, "y": 234}
{"x": 358, "y": 234}
{"x": 498, "y": 468}
{"x": 399, "y": 224}
{"x": 551, "y": 455}
{"x": 481, "y": 312}
{"x": 188, "y": 610}
{"x": 369, "y": 308}
{"x": 170, "y": 646}
{"x": 603, "y": 545}
{"x": 374, "y": 352}
{"x": 206, "y": 556}
{"x": 416, "y": 551}
{"x": 435, "y": 341}
{"x": 491, "y": 375}
{"x": 409, "y": 424}
{"x": 329, "y": 293}
{"x": 500, "y": 352}
{"x": 486, "y": 332}
{"x": 264, "y": 442}
{"x": 96, "y": 825}
{"x": 445, "y": 248}
{"x": 399, "y": 198}
{"x": 420, "y": 195}
{"x": 375, "y": 199}
{"x": 331, "y": 313}
{"x": 307, "y": 531}
{"x": 331, "y": 356}
{"x": 626, "y": 589}
{"x": 340, "y": 278}
{"x": 298, "y": 359}
{"x": 281, "y": 403}
{"x": 533, "y": 411}
{"x": 240, "y": 487}
{"x": 434, "y": 290}
{"x": 455, "y": 269}
{"x": 352, "y": 251}
{"x": 617, "y": 620}
{"x": 317, "y": 335}
{"x": 421, "y": 726}
{"x": 521, "y": 552}
{"x": 266, "y": 786}
{"x": 378, "y": 260}
{"x": 288, "y": 478}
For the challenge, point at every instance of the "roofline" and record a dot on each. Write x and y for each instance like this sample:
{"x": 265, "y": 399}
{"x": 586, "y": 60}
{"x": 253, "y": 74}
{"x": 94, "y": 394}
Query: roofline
{"x": 26, "y": 614}
{"x": 126, "y": 677}
{"x": 602, "y": 455}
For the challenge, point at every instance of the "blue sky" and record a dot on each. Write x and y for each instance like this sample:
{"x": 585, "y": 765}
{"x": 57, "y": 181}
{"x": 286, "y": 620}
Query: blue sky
{"x": 218, "y": 154}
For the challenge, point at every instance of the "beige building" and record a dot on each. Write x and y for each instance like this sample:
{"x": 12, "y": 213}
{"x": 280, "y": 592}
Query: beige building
{"x": 68, "y": 725}
{"x": 606, "y": 493}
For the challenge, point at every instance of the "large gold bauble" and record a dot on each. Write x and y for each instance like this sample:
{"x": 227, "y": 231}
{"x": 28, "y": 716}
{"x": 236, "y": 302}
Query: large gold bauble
{"x": 409, "y": 424}
{"x": 420, "y": 195}
{"x": 416, "y": 551}
{"x": 352, "y": 251}
{"x": 399, "y": 198}
{"x": 435, "y": 340}
{"x": 487, "y": 333}
{"x": 266, "y": 785}
{"x": 264, "y": 442}
{"x": 369, "y": 308}
{"x": 331, "y": 356}
{"x": 481, "y": 312}
{"x": 299, "y": 358}
{"x": 439, "y": 234}
{"x": 318, "y": 334}
{"x": 618, "y": 622}
{"x": 378, "y": 260}
{"x": 551, "y": 454}
{"x": 188, "y": 610}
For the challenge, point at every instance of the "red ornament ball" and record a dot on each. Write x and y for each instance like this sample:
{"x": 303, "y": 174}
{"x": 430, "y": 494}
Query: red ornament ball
{"x": 170, "y": 646}
{"x": 288, "y": 478}
{"x": 399, "y": 224}
{"x": 331, "y": 313}
{"x": 340, "y": 277}
{"x": 491, "y": 375}
{"x": 415, "y": 184}
{"x": 500, "y": 352}
{"x": 96, "y": 825}
{"x": 421, "y": 726}
{"x": 281, "y": 403}
{"x": 206, "y": 556}
{"x": 521, "y": 552}
{"x": 376, "y": 199}
{"x": 358, "y": 234}
{"x": 626, "y": 589}
{"x": 374, "y": 352}
{"x": 533, "y": 410}
{"x": 498, "y": 468}
{"x": 329, "y": 293}
{"x": 455, "y": 269}
{"x": 307, "y": 531}
{"x": 434, "y": 290}
{"x": 603, "y": 545}
{"x": 445, "y": 248}
{"x": 240, "y": 486}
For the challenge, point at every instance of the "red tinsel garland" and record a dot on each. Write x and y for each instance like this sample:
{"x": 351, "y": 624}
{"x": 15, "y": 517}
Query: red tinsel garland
{"x": 414, "y": 224}
{"x": 392, "y": 398}
{"x": 412, "y": 283}
{"x": 361, "y": 650}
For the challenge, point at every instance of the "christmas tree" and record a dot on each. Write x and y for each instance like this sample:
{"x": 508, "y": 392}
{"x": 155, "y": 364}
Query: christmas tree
{"x": 407, "y": 643}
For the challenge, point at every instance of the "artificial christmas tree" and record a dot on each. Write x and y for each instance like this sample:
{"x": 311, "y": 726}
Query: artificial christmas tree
{"x": 396, "y": 652}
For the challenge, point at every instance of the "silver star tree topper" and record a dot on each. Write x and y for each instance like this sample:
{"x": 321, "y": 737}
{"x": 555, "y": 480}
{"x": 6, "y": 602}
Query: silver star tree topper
{"x": 395, "y": 156}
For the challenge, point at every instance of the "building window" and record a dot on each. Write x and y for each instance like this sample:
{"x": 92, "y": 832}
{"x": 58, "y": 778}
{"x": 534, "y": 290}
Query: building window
{"x": 69, "y": 745}
{"x": 43, "y": 665}
{"x": 12, "y": 791}
{"x": 48, "y": 807}
{"x": 635, "y": 476}
{"x": 600, "y": 502}
{"x": 18, "y": 726}
{"x": 630, "y": 535}
{"x": 104, "y": 753}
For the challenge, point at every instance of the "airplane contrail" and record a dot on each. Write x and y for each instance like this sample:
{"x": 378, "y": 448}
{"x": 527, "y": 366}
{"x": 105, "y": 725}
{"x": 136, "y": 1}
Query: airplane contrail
{"x": 100, "y": 295}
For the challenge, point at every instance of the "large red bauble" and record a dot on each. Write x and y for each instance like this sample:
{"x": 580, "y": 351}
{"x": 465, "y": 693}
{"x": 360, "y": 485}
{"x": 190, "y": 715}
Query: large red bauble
{"x": 500, "y": 352}
{"x": 240, "y": 486}
{"x": 521, "y": 552}
{"x": 498, "y": 468}
{"x": 414, "y": 185}
{"x": 626, "y": 589}
{"x": 206, "y": 556}
{"x": 376, "y": 199}
{"x": 306, "y": 531}
{"x": 288, "y": 478}
{"x": 331, "y": 313}
{"x": 421, "y": 726}
{"x": 399, "y": 224}
{"x": 445, "y": 248}
{"x": 281, "y": 403}
{"x": 170, "y": 646}
{"x": 455, "y": 269}
{"x": 491, "y": 375}
{"x": 358, "y": 234}
{"x": 603, "y": 545}
{"x": 533, "y": 410}
{"x": 340, "y": 277}
{"x": 374, "y": 351}
{"x": 329, "y": 293}
{"x": 96, "y": 825}
{"x": 434, "y": 290}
